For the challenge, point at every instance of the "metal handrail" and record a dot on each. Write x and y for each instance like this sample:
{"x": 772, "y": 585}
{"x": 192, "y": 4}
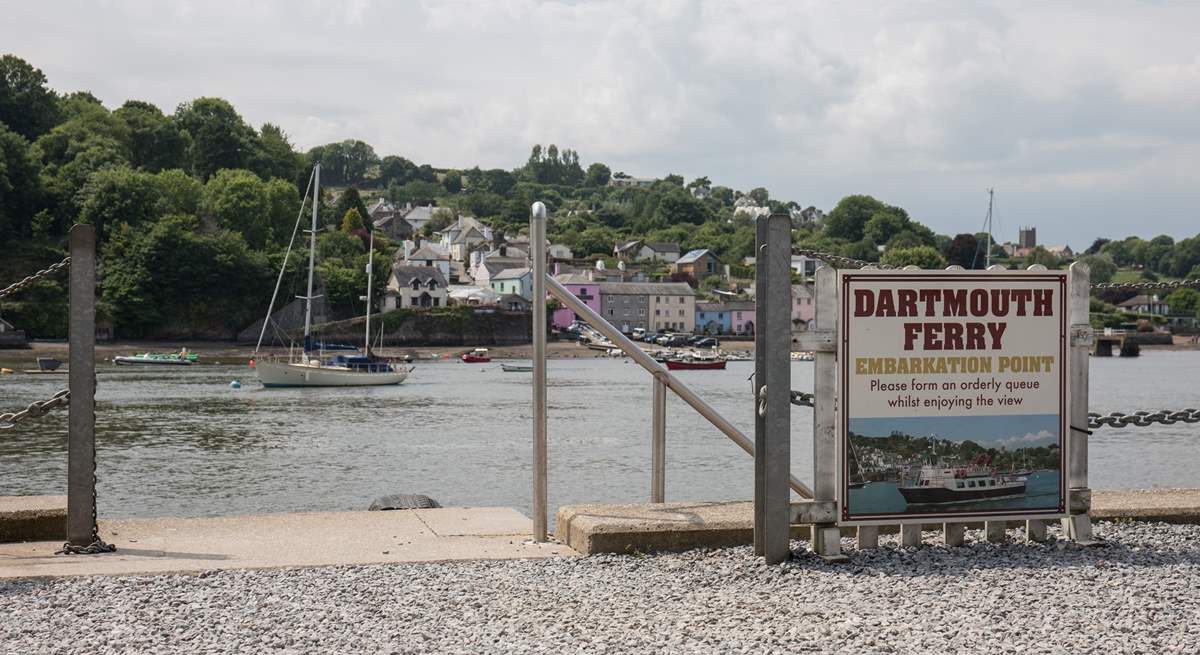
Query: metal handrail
{"x": 660, "y": 373}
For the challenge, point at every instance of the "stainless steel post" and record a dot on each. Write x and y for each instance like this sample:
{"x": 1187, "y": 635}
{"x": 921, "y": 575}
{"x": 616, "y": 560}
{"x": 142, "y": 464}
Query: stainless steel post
{"x": 760, "y": 380}
{"x": 658, "y": 444}
{"x": 537, "y": 240}
{"x": 81, "y": 424}
{"x": 1079, "y": 525}
{"x": 776, "y": 452}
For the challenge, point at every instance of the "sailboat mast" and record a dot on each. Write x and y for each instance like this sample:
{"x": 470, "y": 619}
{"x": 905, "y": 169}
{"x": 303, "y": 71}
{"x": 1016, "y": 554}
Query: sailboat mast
{"x": 370, "y": 277}
{"x": 989, "y": 229}
{"x": 312, "y": 251}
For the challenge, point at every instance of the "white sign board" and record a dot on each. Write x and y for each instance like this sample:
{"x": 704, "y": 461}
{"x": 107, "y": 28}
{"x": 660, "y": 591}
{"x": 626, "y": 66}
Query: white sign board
{"x": 953, "y": 388}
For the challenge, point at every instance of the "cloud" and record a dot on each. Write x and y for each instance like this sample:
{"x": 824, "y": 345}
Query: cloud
{"x": 1029, "y": 439}
{"x": 1081, "y": 115}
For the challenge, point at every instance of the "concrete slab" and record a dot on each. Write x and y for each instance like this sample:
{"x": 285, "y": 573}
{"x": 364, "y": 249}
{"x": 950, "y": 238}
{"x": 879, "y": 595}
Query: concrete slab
{"x": 33, "y": 518}
{"x": 592, "y": 529}
{"x": 191, "y": 545}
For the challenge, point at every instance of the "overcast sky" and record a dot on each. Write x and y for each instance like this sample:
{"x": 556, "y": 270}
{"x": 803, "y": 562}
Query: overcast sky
{"x": 1084, "y": 116}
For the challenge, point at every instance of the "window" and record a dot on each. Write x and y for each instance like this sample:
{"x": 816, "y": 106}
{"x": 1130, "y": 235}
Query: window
{"x": 658, "y": 312}
{"x": 657, "y": 298}
{"x": 610, "y": 311}
{"x": 625, "y": 299}
{"x": 432, "y": 283}
{"x": 681, "y": 312}
{"x": 416, "y": 284}
{"x": 971, "y": 484}
{"x": 435, "y": 301}
{"x": 959, "y": 484}
{"x": 641, "y": 311}
{"x": 680, "y": 300}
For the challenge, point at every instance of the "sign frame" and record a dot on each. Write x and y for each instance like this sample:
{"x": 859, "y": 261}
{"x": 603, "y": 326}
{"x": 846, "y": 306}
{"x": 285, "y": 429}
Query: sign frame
{"x": 845, "y": 281}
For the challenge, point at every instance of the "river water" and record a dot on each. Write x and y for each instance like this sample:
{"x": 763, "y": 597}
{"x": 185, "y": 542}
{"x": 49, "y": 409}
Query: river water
{"x": 181, "y": 442}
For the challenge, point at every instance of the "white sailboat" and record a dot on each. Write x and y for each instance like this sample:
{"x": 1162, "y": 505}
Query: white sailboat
{"x": 311, "y": 369}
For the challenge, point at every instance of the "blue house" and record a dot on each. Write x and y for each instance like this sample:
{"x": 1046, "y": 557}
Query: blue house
{"x": 713, "y": 318}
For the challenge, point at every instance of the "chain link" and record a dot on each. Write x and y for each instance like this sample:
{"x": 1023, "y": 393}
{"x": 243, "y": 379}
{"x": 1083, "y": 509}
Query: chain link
{"x": 838, "y": 261}
{"x": 37, "y": 408}
{"x": 50, "y": 270}
{"x": 1143, "y": 419}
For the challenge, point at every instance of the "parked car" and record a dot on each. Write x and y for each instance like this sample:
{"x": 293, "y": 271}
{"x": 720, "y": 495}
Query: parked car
{"x": 650, "y": 338}
{"x": 708, "y": 342}
{"x": 662, "y": 339}
{"x": 678, "y": 340}
{"x": 638, "y": 333}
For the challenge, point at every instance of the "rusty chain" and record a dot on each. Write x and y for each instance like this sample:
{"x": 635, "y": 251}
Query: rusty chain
{"x": 28, "y": 280}
{"x": 850, "y": 262}
{"x": 37, "y": 408}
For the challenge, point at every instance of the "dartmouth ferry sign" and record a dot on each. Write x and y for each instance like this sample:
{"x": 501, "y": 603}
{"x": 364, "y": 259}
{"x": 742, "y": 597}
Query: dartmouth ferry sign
{"x": 954, "y": 395}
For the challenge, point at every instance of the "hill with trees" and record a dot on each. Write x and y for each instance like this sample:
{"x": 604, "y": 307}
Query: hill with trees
{"x": 195, "y": 208}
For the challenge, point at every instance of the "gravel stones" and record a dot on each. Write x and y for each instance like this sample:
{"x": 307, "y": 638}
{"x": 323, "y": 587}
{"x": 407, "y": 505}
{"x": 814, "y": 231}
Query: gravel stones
{"x": 1138, "y": 594}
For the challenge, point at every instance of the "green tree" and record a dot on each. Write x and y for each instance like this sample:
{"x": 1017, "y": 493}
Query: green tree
{"x": 924, "y": 256}
{"x": 178, "y": 192}
{"x": 1040, "y": 255}
{"x": 849, "y": 218}
{"x": 452, "y": 182}
{"x": 882, "y": 226}
{"x": 155, "y": 142}
{"x": 352, "y": 221}
{"x": 345, "y": 162}
{"x": 237, "y": 200}
{"x": 273, "y": 155}
{"x": 1184, "y": 302}
{"x": 351, "y": 199}
{"x": 20, "y": 186}
{"x": 219, "y": 137}
{"x": 284, "y": 201}
{"x": 597, "y": 175}
{"x": 760, "y": 196}
{"x": 27, "y": 106}
{"x": 1101, "y": 267}
{"x": 118, "y": 195}
{"x": 438, "y": 221}
{"x": 398, "y": 170}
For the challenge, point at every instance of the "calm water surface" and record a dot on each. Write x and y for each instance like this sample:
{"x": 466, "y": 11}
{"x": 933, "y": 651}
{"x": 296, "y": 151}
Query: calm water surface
{"x": 181, "y": 442}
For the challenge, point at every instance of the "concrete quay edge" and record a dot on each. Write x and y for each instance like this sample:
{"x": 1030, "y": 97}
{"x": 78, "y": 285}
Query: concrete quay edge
{"x": 644, "y": 527}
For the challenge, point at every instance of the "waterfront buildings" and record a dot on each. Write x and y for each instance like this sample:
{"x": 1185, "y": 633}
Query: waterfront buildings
{"x": 698, "y": 264}
{"x": 712, "y": 318}
{"x": 415, "y": 286}
{"x": 419, "y": 253}
{"x": 803, "y": 307}
{"x": 584, "y": 288}
{"x": 515, "y": 281}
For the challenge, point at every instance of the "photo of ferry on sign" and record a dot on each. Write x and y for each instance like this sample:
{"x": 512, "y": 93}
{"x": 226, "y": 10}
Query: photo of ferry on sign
{"x": 953, "y": 465}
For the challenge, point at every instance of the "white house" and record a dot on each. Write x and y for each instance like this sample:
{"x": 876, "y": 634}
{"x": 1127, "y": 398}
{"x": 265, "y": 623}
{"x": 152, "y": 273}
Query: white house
{"x": 646, "y": 251}
{"x": 460, "y": 237}
{"x": 1143, "y": 304}
{"x": 417, "y": 253}
{"x": 473, "y": 295}
{"x": 415, "y": 286}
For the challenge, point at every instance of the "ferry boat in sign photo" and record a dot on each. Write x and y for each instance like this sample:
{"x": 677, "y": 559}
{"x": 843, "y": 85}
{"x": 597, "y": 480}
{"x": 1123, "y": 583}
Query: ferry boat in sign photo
{"x": 938, "y": 483}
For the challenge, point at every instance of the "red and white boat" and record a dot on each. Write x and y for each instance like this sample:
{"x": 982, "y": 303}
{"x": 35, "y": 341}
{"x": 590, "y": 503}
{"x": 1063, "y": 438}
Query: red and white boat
{"x": 477, "y": 356}
{"x": 695, "y": 364}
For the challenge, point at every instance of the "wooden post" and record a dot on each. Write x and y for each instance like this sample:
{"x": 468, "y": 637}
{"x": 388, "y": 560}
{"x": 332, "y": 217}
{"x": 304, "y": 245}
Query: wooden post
{"x": 868, "y": 537}
{"x": 825, "y": 462}
{"x": 954, "y": 534}
{"x": 81, "y": 424}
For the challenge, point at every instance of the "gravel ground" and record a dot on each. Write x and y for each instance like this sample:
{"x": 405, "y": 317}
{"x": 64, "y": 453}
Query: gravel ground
{"x": 1139, "y": 594}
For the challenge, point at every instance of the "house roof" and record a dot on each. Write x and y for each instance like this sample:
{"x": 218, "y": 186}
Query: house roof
{"x": 738, "y": 306}
{"x": 511, "y": 274}
{"x": 663, "y": 247}
{"x": 419, "y": 214}
{"x": 494, "y": 265}
{"x": 574, "y": 278}
{"x": 1142, "y": 299}
{"x": 622, "y": 246}
{"x": 406, "y": 274}
{"x": 646, "y": 288}
{"x": 694, "y": 255}
{"x": 513, "y": 298}
{"x": 471, "y": 233}
{"x": 427, "y": 252}
{"x": 711, "y": 307}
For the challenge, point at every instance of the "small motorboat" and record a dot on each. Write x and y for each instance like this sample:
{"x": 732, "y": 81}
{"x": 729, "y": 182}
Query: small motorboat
{"x": 477, "y": 356}
{"x": 516, "y": 368}
{"x": 695, "y": 364}
{"x": 153, "y": 359}
{"x": 48, "y": 364}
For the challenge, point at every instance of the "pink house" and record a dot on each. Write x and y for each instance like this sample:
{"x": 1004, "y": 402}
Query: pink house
{"x": 585, "y": 289}
{"x": 803, "y": 306}
{"x": 741, "y": 317}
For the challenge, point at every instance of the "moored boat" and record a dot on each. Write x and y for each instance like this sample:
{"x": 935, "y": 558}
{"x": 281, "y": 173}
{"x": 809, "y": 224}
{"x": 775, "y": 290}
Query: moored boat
{"x": 695, "y": 364}
{"x": 152, "y": 359}
{"x": 477, "y": 356}
{"x": 516, "y": 368}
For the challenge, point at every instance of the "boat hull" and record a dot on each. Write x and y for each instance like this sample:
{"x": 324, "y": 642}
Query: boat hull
{"x": 695, "y": 366}
{"x": 277, "y": 374}
{"x": 940, "y": 495}
{"x": 121, "y": 360}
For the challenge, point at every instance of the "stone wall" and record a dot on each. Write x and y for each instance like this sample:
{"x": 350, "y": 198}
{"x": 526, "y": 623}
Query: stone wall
{"x": 443, "y": 326}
